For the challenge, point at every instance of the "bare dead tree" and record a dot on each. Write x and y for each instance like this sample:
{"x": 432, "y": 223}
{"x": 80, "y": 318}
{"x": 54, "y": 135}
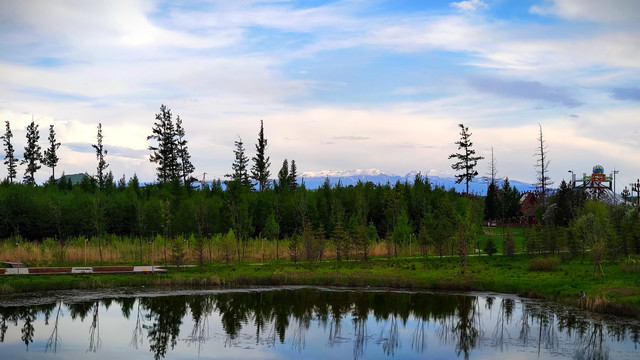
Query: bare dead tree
{"x": 492, "y": 169}
{"x": 542, "y": 164}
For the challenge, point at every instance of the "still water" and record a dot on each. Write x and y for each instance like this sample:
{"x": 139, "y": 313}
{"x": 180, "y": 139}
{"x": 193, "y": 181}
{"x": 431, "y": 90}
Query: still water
{"x": 308, "y": 323}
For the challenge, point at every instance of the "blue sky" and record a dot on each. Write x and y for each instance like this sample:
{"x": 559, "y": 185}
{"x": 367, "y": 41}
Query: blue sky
{"x": 339, "y": 84}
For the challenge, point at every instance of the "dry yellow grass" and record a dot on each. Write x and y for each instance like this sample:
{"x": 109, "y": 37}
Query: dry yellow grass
{"x": 128, "y": 251}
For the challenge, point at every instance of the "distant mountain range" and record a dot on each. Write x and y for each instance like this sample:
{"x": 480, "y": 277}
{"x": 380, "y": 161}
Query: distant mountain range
{"x": 314, "y": 180}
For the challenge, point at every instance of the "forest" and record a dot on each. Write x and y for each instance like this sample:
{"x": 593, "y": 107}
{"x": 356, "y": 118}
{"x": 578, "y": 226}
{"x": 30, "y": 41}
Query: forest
{"x": 249, "y": 205}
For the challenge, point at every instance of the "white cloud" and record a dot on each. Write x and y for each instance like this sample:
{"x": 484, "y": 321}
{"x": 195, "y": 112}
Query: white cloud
{"x": 469, "y": 5}
{"x": 592, "y": 10}
{"x": 226, "y": 67}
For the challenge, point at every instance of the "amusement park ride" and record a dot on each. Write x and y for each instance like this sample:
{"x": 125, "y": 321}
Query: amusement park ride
{"x": 597, "y": 186}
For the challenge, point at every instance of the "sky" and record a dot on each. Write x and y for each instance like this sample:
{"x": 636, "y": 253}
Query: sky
{"x": 348, "y": 84}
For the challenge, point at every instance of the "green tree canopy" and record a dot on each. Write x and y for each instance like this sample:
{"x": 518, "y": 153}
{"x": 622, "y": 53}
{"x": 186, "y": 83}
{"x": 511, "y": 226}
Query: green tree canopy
{"x": 466, "y": 161}
{"x": 32, "y": 154}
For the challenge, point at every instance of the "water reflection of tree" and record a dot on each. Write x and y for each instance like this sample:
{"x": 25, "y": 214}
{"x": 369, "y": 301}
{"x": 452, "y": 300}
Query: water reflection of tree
{"x": 419, "y": 338}
{"x": 545, "y": 317}
{"x": 525, "y": 329}
{"x": 468, "y": 325}
{"x": 463, "y": 329}
{"x": 165, "y": 317}
{"x": 335, "y": 330}
{"x": 389, "y": 336}
{"x": 360, "y": 314}
{"x": 547, "y": 334}
{"x": 126, "y": 305}
{"x": 287, "y": 315}
{"x": 505, "y": 313}
{"x": 94, "y": 329}
{"x": 233, "y": 309}
{"x": 301, "y": 312}
{"x": 137, "y": 337}
{"x": 79, "y": 310}
{"x": 201, "y": 307}
{"x": 26, "y": 314}
{"x": 3, "y": 327}
{"x": 27, "y": 329}
{"x": 426, "y": 309}
{"x": 592, "y": 344}
{"x": 337, "y": 305}
{"x": 54, "y": 339}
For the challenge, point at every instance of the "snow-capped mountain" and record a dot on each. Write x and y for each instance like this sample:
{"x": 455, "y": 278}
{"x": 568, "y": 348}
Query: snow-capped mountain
{"x": 313, "y": 180}
{"x": 345, "y": 173}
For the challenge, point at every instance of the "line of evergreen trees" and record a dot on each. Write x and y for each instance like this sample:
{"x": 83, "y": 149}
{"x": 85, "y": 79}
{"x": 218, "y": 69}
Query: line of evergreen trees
{"x": 348, "y": 219}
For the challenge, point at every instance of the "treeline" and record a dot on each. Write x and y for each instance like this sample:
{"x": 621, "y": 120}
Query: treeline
{"x": 349, "y": 219}
{"x": 169, "y": 151}
{"x": 573, "y": 226}
{"x": 251, "y": 205}
{"x": 570, "y": 225}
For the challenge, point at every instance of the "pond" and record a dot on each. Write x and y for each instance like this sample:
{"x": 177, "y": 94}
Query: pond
{"x": 302, "y": 322}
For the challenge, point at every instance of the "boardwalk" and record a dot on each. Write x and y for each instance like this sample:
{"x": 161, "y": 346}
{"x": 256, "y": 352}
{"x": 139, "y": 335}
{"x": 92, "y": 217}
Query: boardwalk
{"x": 17, "y": 270}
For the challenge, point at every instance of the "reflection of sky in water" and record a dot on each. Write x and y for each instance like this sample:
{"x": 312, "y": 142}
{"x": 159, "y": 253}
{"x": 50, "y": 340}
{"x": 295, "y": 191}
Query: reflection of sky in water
{"x": 384, "y": 337}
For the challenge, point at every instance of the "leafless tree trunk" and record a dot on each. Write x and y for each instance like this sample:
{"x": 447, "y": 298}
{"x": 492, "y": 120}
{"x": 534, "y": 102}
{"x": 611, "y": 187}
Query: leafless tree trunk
{"x": 542, "y": 163}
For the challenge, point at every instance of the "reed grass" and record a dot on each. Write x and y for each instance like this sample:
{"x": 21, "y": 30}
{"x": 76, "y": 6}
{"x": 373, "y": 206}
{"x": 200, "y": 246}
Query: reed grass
{"x": 127, "y": 250}
{"x": 543, "y": 264}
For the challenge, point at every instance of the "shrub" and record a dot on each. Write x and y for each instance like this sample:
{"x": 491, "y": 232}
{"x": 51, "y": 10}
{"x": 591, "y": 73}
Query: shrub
{"x": 490, "y": 247}
{"x": 631, "y": 267}
{"x": 548, "y": 264}
{"x": 509, "y": 245}
{"x": 177, "y": 251}
{"x": 226, "y": 246}
{"x": 294, "y": 247}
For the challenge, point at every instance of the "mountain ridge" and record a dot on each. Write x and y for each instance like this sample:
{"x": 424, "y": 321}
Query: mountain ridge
{"x": 314, "y": 180}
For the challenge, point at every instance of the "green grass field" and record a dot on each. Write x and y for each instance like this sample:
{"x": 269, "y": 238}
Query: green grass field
{"x": 498, "y": 234}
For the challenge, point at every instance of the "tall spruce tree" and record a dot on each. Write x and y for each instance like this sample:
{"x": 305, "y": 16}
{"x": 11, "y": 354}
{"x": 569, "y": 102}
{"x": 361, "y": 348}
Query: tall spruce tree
{"x": 283, "y": 175}
{"x": 260, "y": 170}
{"x": 491, "y": 203}
{"x": 239, "y": 166}
{"x": 293, "y": 174}
{"x": 32, "y": 154}
{"x": 466, "y": 161}
{"x": 50, "y": 158}
{"x": 100, "y": 154}
{"x": 184, "y": 158}
{"x": 509, "y": 201}
{"x": 9, "y": 159}
{"x": 165, "y": 150}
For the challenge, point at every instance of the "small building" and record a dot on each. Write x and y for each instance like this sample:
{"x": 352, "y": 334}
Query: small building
{"x": 528, "y": 205}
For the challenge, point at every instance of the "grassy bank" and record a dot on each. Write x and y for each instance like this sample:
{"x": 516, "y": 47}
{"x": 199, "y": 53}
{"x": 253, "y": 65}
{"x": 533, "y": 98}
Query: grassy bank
{"x": 618, "y": 292}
